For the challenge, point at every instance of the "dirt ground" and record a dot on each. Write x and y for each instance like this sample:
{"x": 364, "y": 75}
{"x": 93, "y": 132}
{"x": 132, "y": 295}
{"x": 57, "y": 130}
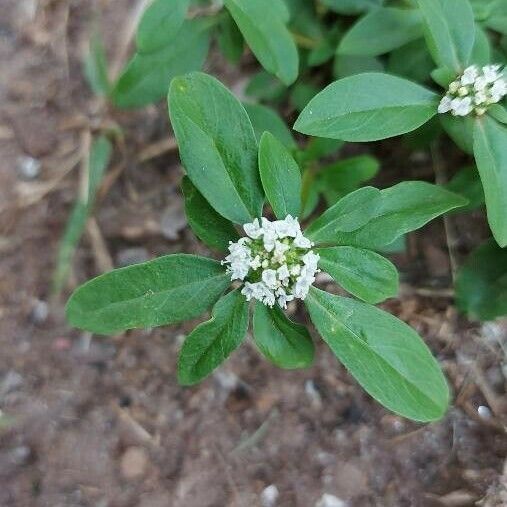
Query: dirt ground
{"x": 88, "y": 421}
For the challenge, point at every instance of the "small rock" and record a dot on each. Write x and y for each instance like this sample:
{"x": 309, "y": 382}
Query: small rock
{"x": 10, "y": 382}
{"x": 269, "y": 496}
{"x": 173, "y": 219}
{"x": 330, "y": 501}
{"x": 28, "y": 167}
{"x": 134, "y": 462}
{"x": 20, "y": 455}
{"x": 484, "y": 412}
{"x": 40, "y": 311}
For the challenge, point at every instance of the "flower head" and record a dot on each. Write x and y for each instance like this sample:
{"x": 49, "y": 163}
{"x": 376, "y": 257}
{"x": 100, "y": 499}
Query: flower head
{"x": 474, "y": 91}
{"x": 274, "y": 260}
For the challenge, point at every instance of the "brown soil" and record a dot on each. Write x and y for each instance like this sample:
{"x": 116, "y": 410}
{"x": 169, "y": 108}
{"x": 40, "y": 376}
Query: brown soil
{"x": 90, "y": 421}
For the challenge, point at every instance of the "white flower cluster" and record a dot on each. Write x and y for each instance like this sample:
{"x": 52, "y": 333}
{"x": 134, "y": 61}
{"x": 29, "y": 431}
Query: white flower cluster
{"x": 475, "y": 90}
{"x": 274, "y": 260}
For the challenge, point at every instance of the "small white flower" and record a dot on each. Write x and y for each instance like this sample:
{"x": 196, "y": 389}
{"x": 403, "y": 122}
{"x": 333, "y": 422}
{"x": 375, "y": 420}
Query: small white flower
{"x": 311, "y": 260}
{"x": 491, "y": 73}
{"x": 295, "y": 270}
{"x": 283, "y": 299}
{"x": 302, "y": 242}
{"x": 256, "y": 263}
{"x": 269, "y": 278}
{"x": 469, "y": 75}
{"x": 445, "y": 104}
{"x": 254, "y": 230}
{"x": 454, "y": 86}
{"x": 287, "y": 228}
{"x": 498, "y": 90}
{"x": 461, "y": 106}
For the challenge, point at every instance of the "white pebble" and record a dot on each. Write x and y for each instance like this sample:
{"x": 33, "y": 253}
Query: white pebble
{"x": 269, "y": 496}
{"x": 330, "y": 501}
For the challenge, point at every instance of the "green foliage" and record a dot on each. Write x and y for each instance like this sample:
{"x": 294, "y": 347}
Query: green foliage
{"x": 210, "y": 343}
{"x": 264, "y": 118}
{"x": 164, "y": 291}
{"x": 450, "y": 29}
{"x": 467, "y": 183}
{"x": 147, "y": 76}
{"x": 377, "y": 106}
{"x": 210, "y": 227}
{"x": 280, "y": 176}
{"x": 490, "y": 150}
{"x": 263, "y": 25}
{"x": 230, "y": 40}
{"x": 402, "y": 208}
{"x": 352, "y": 6}
{"x": 95, "y": 66}
{"x": 481, "y": 285}
{"x": 381, "y": 31}
{"x": 160, "y": 23}
{"x": 384, "y": 355}
{"x": 220, "y": 157}
{"x": 349, "y": 214}
{"x": 99, "y": 157}
{"x": 365, "y": 274}
{"x": 285, "y": 343}
{"x": 344, "y": 176}
{"x": 412, "y": 61}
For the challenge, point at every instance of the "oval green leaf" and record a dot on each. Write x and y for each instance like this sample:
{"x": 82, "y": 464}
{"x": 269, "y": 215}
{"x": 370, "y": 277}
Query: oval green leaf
{"x": 449, "y": 31}
{"x": 367, "y": 107}
{"x": 164, "y": 291}
{"x": 381, "y": 31}
{"x": 160, "y": 24}
{"x": 365, "y": 274}
{"x": 490, "y": 150}
{"x": 211, "y": 342}
{"x": 280, "y": 176}
{"x": 262, "y": 24}
{"x": 211, "y": 228}
{"x": 217, "y": 145}
{"x": 283, "y": 342}
{"x": 349, "y": 214}
{"x": 147, "y": 76}
{"x": 385, "y": 355}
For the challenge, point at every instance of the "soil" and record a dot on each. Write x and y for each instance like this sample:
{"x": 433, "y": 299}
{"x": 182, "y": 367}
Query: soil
{"x": 90, "y": 421}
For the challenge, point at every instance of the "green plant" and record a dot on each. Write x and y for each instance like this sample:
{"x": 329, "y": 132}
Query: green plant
{"x": 228, "y": 179}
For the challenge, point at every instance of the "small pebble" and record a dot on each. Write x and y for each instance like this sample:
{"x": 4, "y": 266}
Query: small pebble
{"x": 269, "y": 496}
{"x": 134, "y": 462}
{"x": 330, "y": 501}
{"x": 28, "y": 167}
{"x": 484, "y": 412}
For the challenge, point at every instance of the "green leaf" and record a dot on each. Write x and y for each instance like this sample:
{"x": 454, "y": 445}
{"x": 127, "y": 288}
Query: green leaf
{"x": 95, "y": 66}
{"x": 285, "y": 343}
{"x": 345, "y": 65}
{"x": 265, "y": 86}
{"x": 210, "y": 227}
{"x": 163, "y": 291}
{"x": 460, "y": 130}
{"x": 301, "y": 93}
{"x": 263, "y": 28}
{"x": 497, "y": 19}
{"x": 147, "y": 76}
{"x": 365, "y": 274}
{"x": 100, "y": 155}
{"x": 319, "y": 147}
{"x": 385, "y": 355}
{"x": 481, "y": 284}
{"x": 344, "y": 176}
{"x": 449, "y": 30}
{"x": 264, "y": 118}
{"x": 481, "y": 52}
{"x": 498, "y": 112}
{"x": 381, "y": 31}
{"x": 402, "y": 208}
{"x": 351, "y": 6}
{"x": 280, "y": 176}
{"x": 443, "y": 76}
{"x": 466, "y": 182}
{"x": 490, "y": 151}
{"x": 230, "y": 40}
{"x": 211, "y": 342}
{"x": 411, "y": 61}
{"x": 160, "y": 23}
{"x": 349, "y": 214}
{"x": 367, "y": 107}
{"x": 217, "y": 145}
